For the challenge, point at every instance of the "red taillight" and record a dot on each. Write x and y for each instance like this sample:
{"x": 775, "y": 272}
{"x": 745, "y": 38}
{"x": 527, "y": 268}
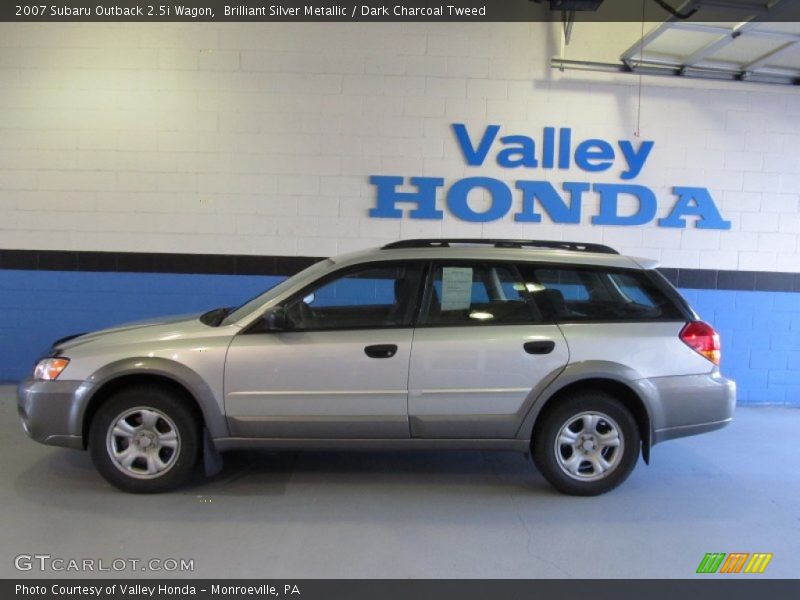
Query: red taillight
{"x": 702, "y": 338}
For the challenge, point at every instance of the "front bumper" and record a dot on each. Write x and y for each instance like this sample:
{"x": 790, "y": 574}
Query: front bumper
{"x": 50, "y": 411}
{"x": 691, "y": 404}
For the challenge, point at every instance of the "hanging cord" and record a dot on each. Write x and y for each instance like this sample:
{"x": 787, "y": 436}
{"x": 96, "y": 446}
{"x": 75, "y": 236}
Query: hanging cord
{"x": 638, "y": 131}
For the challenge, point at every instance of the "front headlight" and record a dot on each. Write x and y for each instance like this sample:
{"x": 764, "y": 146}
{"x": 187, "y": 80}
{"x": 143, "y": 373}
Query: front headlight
{"x": 49, "y": 369}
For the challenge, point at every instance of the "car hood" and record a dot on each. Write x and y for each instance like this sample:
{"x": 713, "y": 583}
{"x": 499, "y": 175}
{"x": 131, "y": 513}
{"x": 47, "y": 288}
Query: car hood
{"x": 157, "y": 328}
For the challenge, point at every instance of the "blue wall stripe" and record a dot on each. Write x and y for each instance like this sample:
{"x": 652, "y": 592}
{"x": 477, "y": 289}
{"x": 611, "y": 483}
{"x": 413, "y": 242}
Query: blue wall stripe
{"x": 37, "y": 307}
{"x": 760, "y": 330}
{"x": 239, "y": 264}
{"x": 760, "y": 334}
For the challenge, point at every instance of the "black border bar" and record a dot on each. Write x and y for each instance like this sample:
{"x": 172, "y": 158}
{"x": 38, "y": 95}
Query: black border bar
{"x": 384, "y": 10}
{"x": 152, "y": 262}
{"x": 713, "y": 279}
{"x": 244, "y": 264}
{"x": 728, "y": 587}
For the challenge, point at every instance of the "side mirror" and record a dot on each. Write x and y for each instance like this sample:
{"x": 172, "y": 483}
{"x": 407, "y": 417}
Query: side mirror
{"x": 275, "y": 319}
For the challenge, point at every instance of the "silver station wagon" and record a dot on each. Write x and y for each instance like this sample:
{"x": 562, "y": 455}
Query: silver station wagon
{"x": 570, "y": 352}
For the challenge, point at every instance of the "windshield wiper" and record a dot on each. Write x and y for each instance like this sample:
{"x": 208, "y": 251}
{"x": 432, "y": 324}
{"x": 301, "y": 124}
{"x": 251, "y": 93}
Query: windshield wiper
{"x": 214, "y": 317}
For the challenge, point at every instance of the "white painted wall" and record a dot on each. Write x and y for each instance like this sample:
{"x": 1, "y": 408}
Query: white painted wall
{"x": 259, "y": 138}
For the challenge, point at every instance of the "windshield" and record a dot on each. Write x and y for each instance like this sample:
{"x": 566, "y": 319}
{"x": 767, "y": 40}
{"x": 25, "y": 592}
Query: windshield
{"x": 251, "y": 305}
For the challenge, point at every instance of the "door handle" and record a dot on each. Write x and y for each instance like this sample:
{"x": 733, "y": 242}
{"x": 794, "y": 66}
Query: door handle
{"x": 541, "y": 347}
{"x": 381, "y": 351}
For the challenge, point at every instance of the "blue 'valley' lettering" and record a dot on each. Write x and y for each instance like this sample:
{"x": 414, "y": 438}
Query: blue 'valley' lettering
{"x": 541, "y": 197}
{"x": 520, "y": 151}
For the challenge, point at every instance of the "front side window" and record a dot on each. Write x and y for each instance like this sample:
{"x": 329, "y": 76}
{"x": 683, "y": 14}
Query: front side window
{"x": 255, "y": 303}
{"x": 367, "y": 297}
{"x": 478, "y": 294}
{"x": 597, "y": 294}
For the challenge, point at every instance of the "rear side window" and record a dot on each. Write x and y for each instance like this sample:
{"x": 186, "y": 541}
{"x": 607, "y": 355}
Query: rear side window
{"x": 478, "y": 294}
{"x": 597, "y": 294}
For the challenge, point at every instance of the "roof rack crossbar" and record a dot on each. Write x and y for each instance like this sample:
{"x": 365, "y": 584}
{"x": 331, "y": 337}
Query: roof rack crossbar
{"x": 500, "y": 243}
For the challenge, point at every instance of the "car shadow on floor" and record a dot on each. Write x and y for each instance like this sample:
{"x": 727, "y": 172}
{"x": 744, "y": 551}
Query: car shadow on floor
{"x": 264, "y": 473}
{"x": 685, "y": 479}
{"x": 248, "y": 471}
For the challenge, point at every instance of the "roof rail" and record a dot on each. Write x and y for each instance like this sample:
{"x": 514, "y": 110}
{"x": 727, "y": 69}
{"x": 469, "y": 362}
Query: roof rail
{"x": 497, "y": 243}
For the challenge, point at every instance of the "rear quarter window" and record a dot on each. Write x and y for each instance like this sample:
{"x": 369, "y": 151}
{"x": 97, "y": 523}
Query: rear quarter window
{"x": 583, "y": 294}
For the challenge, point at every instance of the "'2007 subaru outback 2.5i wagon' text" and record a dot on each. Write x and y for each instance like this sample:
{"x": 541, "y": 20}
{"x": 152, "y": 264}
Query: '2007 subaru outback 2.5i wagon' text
{"x": 569, "y": 350}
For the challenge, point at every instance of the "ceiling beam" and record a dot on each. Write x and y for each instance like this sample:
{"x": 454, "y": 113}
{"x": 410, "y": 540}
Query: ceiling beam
{"x": 718, "y": 29}
{"x": 759, "y": 13}
{"x": 675, "y": 70}
{"x": 745, "y": 7}
{"x": 701, "y": 63}
{"x": 711, "y": 48}
{"x": 654, "y": 33}
{"x": 763, "y": 60}
{"x": 731, "y": 36}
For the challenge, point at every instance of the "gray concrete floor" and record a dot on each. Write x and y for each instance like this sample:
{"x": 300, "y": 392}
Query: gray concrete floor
{"x": 417, "y": 515}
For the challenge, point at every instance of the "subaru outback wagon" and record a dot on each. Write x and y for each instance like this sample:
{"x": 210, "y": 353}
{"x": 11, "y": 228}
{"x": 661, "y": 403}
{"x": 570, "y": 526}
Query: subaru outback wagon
{"x": 569, "y": 351}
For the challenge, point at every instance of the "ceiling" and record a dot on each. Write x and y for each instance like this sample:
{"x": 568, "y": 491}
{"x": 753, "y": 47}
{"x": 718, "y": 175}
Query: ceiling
{"x": 722, "y": 40}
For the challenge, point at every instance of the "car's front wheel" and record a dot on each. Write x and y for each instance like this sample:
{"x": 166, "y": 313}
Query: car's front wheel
{"x": 144, "y": 440}
{"x": 587, "y": 444}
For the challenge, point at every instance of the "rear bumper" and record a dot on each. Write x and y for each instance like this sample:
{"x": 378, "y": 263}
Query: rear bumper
{"x": 49, "y": 412}
{"x": 690, "y": 404}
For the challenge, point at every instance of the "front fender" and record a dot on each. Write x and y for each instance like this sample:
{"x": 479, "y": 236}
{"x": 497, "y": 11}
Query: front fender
{"x": 198, "y": 388}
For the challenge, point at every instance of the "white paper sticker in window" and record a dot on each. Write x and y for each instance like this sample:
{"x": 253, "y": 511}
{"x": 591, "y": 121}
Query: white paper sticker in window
{"x": 456, "y": 288}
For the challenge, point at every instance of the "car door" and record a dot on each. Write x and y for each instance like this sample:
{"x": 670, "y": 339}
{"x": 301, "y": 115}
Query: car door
{"x": 479, "y": 349}
{"x": 338, "y": 368}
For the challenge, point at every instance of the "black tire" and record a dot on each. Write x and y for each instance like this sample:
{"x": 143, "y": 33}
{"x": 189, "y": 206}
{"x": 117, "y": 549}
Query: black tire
{"x": 583, "y": 472}
{"x": 151, "y": 447}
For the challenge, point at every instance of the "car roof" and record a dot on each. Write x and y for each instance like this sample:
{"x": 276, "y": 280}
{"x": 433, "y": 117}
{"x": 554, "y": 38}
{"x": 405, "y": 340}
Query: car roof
{"x": 490, "y": 252}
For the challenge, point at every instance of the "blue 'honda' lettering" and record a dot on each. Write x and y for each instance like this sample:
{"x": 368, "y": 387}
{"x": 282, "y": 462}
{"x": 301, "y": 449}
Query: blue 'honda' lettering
{"x": 555, "y": 151}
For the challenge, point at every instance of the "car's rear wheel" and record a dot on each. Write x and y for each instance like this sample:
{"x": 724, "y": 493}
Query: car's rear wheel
{"x": 144, "y": 440}
{"x": 586, "y": 444}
